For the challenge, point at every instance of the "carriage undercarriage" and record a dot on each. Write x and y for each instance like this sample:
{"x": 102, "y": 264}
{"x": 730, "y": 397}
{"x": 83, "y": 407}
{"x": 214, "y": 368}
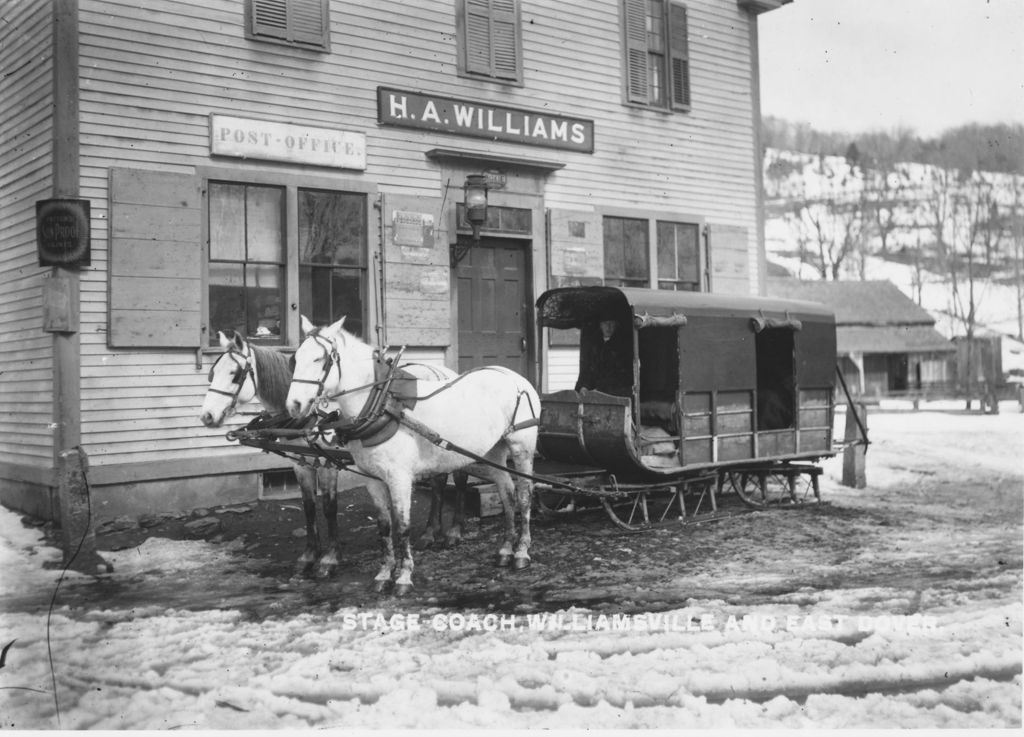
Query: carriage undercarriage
{"x": 697, "y": 496}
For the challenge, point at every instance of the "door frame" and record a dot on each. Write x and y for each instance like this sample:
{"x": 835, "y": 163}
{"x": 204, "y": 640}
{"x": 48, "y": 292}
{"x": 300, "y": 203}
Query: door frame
{"x": 534, "y": 245}
{"x": 530, "y": 330}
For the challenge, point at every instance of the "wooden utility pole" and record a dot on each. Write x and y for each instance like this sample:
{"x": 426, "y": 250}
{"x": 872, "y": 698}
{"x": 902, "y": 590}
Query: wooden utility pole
{"x": 855, "y": 455}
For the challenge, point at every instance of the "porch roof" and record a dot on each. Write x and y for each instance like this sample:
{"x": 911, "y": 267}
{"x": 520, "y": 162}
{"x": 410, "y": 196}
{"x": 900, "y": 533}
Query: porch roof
{"x": 891, "y": 339}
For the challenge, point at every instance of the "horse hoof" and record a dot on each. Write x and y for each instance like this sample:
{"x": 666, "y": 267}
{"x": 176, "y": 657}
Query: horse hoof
{"x": 502, "y": 560}
{"x": 520, "y": 564}
{"x": 325, "y": 572}
{"x": 379, "y": 587}
{"x": 452, "y": 539}
{"x": 402, "y": 589}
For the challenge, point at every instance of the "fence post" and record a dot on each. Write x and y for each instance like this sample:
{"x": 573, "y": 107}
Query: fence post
{"x": 854, "y": 459}
{"x": 77, "y": 536}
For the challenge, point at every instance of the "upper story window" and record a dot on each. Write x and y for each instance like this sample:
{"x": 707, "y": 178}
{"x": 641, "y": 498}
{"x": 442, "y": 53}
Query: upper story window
{"x": 490, "y": 40}
{"x": 657, "y": 59}
{"x": 294, "y": 22}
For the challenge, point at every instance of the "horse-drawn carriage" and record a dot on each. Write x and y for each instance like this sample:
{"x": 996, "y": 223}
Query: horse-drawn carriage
{"x": 721, "y": 393}
{"x": 681, "y": 396}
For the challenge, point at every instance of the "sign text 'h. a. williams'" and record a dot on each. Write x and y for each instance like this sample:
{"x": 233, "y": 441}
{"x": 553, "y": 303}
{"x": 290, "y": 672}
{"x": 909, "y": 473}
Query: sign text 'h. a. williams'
{"x": 483, "y": 120}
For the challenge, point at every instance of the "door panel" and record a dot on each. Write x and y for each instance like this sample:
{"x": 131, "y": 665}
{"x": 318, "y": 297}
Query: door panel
{"x": 494, "y": 305}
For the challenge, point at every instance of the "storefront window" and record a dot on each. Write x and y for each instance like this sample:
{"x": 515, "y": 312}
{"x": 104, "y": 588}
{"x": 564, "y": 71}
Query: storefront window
{"x": 678, "y": 256}
{"x": 332, "y": 257}
{"x": 626, "y": 243}
{"x": 247, "y": 261}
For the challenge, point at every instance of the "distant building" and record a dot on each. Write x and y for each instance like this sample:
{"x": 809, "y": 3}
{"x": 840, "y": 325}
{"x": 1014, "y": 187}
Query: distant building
{"x": 886, "y": 343}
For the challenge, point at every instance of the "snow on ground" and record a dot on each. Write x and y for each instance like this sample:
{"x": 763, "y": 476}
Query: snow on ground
{"x": 917, "y": 624}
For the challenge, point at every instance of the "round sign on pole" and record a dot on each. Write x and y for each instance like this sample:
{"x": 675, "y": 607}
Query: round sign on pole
{"x": 62, "y": 232}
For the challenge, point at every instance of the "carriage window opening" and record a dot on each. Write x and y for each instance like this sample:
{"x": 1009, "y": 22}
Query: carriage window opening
{"x": 247, "y": 261}
{"x": 658, "y": 350}
{"x": 678, "y": 256}
{"x": 606, "y": 357}
{"x": 775, "y": 379}
{"x": 490, "y": 40}
{"x": 332, "y": 257}
{"x": 626, "y": 242}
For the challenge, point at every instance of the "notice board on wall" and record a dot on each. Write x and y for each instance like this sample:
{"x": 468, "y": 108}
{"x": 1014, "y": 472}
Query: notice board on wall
{"x": 417, "y": 272}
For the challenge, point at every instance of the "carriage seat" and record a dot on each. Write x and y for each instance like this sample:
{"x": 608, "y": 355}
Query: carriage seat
{"x": 660, "y": 413}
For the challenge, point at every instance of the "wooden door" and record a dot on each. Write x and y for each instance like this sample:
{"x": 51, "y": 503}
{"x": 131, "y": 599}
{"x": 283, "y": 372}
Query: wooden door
{"x": 494, "y": 305}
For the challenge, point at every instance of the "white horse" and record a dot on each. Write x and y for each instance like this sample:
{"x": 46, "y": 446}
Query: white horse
{"x": 245, "y": 371}
{"x": 491, "y": 412}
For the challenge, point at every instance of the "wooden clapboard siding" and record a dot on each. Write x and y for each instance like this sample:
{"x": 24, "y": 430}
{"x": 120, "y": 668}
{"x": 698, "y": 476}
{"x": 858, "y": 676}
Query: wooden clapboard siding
{"x": 153, "y": 72}
{"x": 26, "y": 161}
{"x": 563, "y": 368}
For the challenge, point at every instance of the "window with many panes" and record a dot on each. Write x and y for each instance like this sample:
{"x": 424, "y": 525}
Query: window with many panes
{"x": 246, "y": 274}
{"x": 678, "y": 256}
{"x": 490, "y": 40}
{"x": 626, "y": 252}
{"x": 303, "y": 23}
{"x": 657, "y": 62}
{"x": 252, "y": 258}
{"x": 332, "y": 257}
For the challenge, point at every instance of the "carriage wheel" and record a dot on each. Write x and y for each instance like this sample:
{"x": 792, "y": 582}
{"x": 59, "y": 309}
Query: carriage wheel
{"x": 644, "y": 509}
{"x": 767, "y": 489}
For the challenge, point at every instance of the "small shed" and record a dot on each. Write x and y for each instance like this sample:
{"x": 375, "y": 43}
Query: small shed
{"x": 887, "y": 344}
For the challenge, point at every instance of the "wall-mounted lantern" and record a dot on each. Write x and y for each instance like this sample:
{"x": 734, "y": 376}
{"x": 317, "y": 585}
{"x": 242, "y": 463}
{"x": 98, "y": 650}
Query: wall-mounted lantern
{"x": 476, "y": 202}
{"x": 475, "y": 199}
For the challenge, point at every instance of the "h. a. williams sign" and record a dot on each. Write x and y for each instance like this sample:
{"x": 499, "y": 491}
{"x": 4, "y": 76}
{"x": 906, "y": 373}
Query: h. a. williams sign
{"x": 483, "y": 120}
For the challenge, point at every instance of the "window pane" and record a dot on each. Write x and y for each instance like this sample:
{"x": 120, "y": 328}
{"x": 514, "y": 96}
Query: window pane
{"x": 326, "y": 294}
{"x": 332, "y": 228}
{"x": 227, "y": 222}
{"x": 227, "y": 299}
{"x": 614, "y": 262}
{"x": 678, "y": 252}
{"x": 636, "y": 244}
{"x": 264, "y": 224}
{"x": 263, "y": 302}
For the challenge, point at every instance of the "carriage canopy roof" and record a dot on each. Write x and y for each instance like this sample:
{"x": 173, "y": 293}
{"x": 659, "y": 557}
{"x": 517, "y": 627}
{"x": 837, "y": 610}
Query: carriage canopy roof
{"x": 573, "y": 307}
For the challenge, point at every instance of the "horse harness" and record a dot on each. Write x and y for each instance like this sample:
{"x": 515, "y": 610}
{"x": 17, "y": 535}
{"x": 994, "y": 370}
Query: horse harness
{"x": 392, "y": 391}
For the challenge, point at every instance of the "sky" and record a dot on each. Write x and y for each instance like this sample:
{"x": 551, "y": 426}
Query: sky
{"x": 864, "y": 65}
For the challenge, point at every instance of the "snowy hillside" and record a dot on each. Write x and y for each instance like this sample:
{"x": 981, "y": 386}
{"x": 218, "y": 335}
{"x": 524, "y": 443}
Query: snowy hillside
{"x": 911, "y": 197}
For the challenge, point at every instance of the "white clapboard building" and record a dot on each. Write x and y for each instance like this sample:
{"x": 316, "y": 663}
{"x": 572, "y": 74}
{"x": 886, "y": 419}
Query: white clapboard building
{"x": 172, "y": 168}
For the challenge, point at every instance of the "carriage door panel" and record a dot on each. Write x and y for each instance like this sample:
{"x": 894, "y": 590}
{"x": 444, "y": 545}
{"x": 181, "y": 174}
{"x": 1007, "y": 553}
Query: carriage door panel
{"x": 494, "y": 306}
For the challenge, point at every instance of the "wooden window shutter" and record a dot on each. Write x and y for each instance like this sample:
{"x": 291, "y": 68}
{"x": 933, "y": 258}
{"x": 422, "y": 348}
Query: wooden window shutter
{"x": 636, "y": 51}
{"x": 299, "y": 21}
{"x": 156, "y": 257}
{"x": 478, "y": 36}
{"x": 679, "y": 49}
{"x": 505, "y": 39}
{"x": 493, "y": 43}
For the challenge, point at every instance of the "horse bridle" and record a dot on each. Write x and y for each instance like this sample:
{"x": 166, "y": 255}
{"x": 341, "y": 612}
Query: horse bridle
{"x": 243, "y": 370}
{"x": 330, "y": 359}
